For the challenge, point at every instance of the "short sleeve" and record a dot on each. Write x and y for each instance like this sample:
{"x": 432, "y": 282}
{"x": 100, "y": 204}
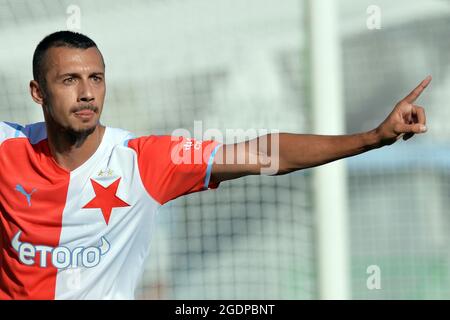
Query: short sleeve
{"x": 172, "y": 166}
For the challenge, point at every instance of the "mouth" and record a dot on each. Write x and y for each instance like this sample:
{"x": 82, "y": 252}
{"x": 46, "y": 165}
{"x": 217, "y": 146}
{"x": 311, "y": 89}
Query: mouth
{"x": 84, "y": 114}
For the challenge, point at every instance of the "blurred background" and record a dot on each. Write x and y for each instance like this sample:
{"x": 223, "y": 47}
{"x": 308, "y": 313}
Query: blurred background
{"x": 249, "y": 64}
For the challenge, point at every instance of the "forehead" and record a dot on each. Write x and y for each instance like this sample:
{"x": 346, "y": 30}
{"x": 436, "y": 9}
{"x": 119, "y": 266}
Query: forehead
{"x": 63, "y": 59}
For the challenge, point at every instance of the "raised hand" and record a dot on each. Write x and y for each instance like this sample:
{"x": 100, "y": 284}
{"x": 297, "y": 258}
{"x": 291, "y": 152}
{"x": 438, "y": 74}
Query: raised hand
{"x": 406, "y": 119}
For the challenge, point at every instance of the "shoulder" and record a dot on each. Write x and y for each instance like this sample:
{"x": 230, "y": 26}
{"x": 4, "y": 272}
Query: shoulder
{"x": 118, "y": 136}
{"x": 35, "y": 132}
{"x": 155, "y": 142}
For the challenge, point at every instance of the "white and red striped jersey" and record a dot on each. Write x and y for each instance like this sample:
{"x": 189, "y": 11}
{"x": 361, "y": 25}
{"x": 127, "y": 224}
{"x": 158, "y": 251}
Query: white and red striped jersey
{"x": 85, "y": 234}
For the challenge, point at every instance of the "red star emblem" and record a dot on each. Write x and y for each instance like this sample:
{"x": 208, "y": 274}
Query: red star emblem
{"x": 106, "y": 199}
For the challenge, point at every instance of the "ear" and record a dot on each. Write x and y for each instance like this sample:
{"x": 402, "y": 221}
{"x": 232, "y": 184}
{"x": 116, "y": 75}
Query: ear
{"x": 36, "y": 92}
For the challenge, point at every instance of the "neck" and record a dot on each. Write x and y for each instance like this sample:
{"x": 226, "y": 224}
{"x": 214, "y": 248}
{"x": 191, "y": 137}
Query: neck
{"x": 69, "y": 150}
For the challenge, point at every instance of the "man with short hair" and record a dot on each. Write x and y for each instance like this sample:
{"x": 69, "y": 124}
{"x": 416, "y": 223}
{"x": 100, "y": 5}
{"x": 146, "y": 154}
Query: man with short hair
{"x": 78, "y": 199}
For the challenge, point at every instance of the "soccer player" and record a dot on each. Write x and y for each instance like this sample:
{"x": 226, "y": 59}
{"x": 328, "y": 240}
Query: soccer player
{"x": 78, "y": 199}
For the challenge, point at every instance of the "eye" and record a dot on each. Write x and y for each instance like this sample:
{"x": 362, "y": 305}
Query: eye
{"x": 69, "y": 80}
{"x": 97, "y": 79}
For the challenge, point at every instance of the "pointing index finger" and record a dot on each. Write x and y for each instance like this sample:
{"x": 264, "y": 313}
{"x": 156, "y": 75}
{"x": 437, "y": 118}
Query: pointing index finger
{"x": 410, "y": 98}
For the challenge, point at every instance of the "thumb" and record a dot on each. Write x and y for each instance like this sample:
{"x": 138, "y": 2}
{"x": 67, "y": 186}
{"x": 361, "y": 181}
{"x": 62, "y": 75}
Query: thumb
{"x": 410, "y": 128}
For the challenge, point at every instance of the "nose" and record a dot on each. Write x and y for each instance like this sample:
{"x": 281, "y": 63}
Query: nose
{"x": 86, "y": 93}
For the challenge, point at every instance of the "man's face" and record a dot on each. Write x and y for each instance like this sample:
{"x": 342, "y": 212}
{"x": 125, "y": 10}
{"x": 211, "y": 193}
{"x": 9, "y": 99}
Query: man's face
{"x": 75, "y": 87}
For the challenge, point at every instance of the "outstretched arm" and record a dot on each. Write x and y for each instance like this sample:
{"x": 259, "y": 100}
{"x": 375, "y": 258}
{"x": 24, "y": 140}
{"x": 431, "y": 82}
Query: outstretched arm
{"x": 282, "y": 153}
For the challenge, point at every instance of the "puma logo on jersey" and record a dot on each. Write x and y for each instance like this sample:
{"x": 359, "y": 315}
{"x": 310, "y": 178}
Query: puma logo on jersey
{"x": 26, "y": 194}
{"x": 61, "y": 257}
